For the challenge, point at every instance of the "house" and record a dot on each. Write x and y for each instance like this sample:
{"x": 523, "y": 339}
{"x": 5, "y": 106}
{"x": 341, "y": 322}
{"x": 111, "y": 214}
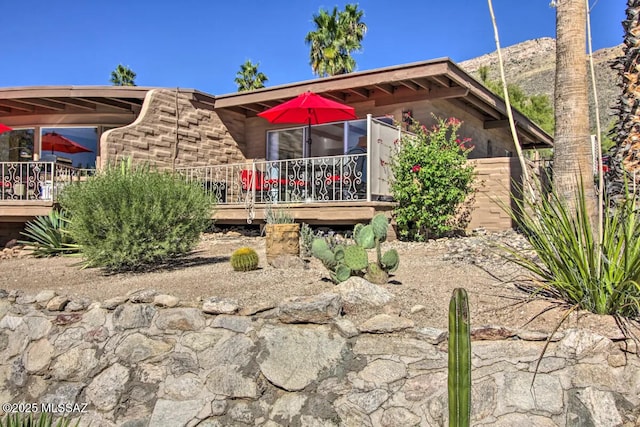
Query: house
{"x": 243, "y": 160}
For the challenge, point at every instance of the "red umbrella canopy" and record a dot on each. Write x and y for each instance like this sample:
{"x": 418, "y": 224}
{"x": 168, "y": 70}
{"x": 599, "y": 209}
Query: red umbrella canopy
{"x": 52, "y": 141}
{"x": 309, "y": 108}
{"x": 4, "y": 128}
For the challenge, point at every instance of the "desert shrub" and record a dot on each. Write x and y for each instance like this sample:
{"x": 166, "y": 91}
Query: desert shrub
{"x": 572, "y": 265}
{"x": 130, "y": 217}
{"x": 432, "y": 180}
{"x": 48, "y": 236}
{"x": 307, "y": 235}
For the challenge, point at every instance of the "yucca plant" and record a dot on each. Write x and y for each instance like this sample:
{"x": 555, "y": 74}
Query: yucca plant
{"x": 48, "y": 235}
{"x": 601, "y": 277}
{"x": 32, "y": 420}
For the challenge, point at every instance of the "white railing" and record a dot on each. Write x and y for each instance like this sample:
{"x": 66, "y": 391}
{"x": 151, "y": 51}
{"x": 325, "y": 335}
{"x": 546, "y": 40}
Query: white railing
{"x": 37, "y": 181}
{"x": 315, "y": 179}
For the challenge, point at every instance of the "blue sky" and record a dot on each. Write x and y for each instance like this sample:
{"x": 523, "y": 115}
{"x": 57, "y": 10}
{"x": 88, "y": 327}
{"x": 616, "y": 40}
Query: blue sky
{"x": 201, "y": 44}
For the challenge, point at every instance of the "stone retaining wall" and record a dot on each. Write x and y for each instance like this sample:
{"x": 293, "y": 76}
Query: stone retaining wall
{"x": 148, "y": 360}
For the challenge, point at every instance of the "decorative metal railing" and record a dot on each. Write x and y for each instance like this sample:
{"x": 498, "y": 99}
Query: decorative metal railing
{"x": 33, "y": 181}
{"x": 315, "y": 179}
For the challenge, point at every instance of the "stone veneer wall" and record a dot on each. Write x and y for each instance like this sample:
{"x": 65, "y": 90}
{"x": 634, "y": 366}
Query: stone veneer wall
{"x": 202, "y": 137}
{"x": 145, "y": 360}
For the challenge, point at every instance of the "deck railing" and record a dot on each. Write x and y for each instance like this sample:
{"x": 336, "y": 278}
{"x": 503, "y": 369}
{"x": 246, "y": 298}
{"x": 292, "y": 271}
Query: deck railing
{"x": 37, "y": 181}
{"x": 315, "y": 179}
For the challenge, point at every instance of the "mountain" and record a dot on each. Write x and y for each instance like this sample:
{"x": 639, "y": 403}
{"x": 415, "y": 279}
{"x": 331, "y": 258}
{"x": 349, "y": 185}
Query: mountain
{"x": 531, "y": 65}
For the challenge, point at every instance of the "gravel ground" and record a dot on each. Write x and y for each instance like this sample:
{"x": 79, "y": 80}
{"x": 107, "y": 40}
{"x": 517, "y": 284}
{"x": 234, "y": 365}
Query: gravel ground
{"x": 422, "y": 285}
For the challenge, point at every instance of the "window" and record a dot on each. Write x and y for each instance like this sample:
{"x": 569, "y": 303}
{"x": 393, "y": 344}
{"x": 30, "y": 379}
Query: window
{"x": 16, "y": 145}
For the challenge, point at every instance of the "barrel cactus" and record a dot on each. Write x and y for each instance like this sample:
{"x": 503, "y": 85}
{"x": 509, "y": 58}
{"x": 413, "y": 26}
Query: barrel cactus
{"x": 244, "y": 259}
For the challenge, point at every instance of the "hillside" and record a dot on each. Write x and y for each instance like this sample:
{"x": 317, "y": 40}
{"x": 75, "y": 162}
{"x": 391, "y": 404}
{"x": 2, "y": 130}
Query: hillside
{"x": 531, "y": 65}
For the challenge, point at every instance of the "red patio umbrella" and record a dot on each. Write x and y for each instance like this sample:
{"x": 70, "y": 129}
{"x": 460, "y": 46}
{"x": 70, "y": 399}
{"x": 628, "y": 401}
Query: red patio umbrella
{"x": 4, "y": 128}
{"x": 55, "y": 142}
{"x": 309, "y": 108}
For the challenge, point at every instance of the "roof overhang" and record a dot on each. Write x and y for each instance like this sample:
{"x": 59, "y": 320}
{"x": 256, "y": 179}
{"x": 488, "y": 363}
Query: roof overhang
{"x": 74, "y": 104}
{"x": 427, "y": 80}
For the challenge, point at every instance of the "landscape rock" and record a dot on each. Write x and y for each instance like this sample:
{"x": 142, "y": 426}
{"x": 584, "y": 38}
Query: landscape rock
{"x": 322, "y": 308}
{"x": 164, "y": 300}
{"x": 106, "y": 388}
{"x": 216, "y": 305}
{"x": 142, "y": 296}
{"x": 383, "y": 323}
{"x": 57, "y": 303}
{"x": 292, "y": 357}
{"x": 113, "y": 303}
{"x": 357, "y": 290}
{"x": 174, "y": 413}
{"x": 133, "y": 316}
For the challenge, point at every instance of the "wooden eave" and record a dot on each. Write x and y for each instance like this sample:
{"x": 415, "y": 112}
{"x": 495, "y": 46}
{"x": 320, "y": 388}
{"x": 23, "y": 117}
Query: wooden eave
{"x": 428, "y": 80}
{"x": 101, "y": 103}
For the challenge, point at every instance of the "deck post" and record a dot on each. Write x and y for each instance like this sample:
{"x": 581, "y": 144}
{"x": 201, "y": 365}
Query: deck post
{"x": 368, "y": 159}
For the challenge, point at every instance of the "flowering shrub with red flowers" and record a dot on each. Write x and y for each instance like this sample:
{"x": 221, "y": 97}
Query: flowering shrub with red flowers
{"x": 432, "y": 180}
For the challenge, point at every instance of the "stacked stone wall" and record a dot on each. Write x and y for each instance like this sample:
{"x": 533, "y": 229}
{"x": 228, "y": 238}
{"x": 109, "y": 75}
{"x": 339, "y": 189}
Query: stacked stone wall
{"x": 172, "y": 131}
{"x": 148, "y": 360}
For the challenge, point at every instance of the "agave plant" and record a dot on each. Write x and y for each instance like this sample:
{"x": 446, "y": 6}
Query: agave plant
{"x": 48, "y": 235}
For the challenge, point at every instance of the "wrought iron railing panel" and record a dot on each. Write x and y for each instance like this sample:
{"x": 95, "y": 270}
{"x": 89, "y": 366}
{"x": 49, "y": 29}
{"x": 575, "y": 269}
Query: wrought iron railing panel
{"x": 33, "y": 181}
{"x": 315, "y": 179}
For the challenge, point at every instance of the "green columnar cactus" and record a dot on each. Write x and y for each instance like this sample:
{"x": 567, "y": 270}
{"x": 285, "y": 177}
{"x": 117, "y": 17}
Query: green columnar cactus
{"x": 353, "y": 260}
{"x": 459, "y": 376}
{"x": 244, "y": 259}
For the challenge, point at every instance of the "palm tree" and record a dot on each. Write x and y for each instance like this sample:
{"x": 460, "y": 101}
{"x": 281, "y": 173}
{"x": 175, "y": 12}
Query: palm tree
{"x": 572, "y": 159}
{"x": 626, "y": 131}
{"x": 123, "y": 76}
{"x": 249, "y": 78}
{"x": 336, "y": 37}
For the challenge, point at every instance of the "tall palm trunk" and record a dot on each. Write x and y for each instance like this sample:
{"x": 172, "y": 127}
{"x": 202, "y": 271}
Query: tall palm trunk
{"x": 573, "y": 159}
{"x": 626, "y": 133}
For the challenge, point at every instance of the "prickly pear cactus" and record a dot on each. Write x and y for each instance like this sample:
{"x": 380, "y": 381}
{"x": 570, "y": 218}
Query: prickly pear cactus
{"x": 365, "y": 237}
{"x": 375, "y": 274}
{"x": 353, "y": 260}
{"x": 390, "y": 260}
{"x": 355, "y": 257}
{"x": 380, "y": 225}
{"x": 244, "y": 259}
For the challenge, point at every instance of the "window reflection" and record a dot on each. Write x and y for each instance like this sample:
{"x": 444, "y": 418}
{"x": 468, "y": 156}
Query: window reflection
{"x": 16, "y": 145}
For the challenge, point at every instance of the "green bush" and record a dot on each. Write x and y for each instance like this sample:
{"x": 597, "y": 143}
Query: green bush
{"x": 602, "y": 278}
{"x": 48, "y": 236}
{"x": 129, "y": 217}
{"x": 432, "y": 180}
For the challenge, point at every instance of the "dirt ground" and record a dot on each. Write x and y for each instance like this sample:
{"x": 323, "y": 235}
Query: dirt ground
{"x": 426, "y": 277}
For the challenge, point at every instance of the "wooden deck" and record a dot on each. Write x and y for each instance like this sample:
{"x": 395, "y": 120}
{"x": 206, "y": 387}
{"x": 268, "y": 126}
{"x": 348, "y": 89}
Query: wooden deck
{"x": 23, "y": 211}
{"x": 342, "y": 213}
